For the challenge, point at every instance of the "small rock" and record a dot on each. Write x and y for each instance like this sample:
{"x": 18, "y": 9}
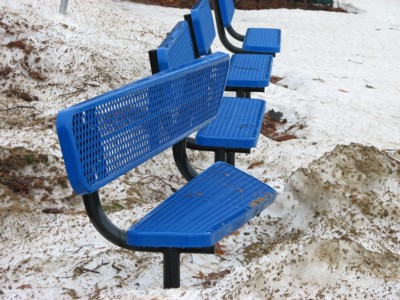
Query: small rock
{"x": 275, "y": 115}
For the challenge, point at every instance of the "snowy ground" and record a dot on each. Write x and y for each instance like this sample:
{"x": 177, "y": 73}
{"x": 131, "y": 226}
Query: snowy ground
{"x": 334, "y": 230}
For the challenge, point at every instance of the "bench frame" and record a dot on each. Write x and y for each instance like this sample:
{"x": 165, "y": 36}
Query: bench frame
{"x": 88, "y": 188}
{"x": 185, "y": 167}
{"x": 107, "y": 136}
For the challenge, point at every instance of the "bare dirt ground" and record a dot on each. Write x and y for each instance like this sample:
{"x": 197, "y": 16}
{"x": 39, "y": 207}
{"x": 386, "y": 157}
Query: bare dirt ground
{"x": 251, "y": 4}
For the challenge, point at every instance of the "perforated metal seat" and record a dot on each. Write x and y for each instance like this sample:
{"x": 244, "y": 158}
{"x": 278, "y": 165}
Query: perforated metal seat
{"x": 215, "y": 203}
{"x": 238, "y": 122}
{"x": 237, "y": 125}
{"x": 249, "y": 71}
{"x": 262, "y": 40}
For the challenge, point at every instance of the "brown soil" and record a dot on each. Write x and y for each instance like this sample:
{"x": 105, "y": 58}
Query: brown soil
{"x": 250, "y": 4}
{"x": 274, "y": 127}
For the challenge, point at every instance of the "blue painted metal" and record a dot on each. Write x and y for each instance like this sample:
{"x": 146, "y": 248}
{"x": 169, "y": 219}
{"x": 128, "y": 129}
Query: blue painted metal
{"x": 108, "y": 135}
{"x": 237, "y": 125}
{"x": 203, "y": 26}
{"x": 227, "y": 11}
{"x": 249, "y": 71}
{"x": 177, "y": 48}
{"x": 262, "y": 39}
{"x": 323, "y": 2}
{"x": 256, "y": 40}
{"x": 246, "y": 70}
{"x": 214, "y": 204}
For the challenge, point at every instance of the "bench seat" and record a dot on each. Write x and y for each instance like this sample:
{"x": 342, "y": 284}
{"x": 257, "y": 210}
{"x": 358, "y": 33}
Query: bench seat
{"x": 262, "y": 40}
{"x": 214, "y": 204}
{"x": 237, "y": 125}
{"x": 249, "y": 71}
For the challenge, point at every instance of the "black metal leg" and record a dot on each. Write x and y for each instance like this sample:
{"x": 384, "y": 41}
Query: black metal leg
{"x": 117, "y": 236}
{"x": 230, "y": 158}
{"x": 240, "y": 94}
{"x": 220, "y": 155}
{"x": 172, "y": 274}
{"x": 182, "y": 161}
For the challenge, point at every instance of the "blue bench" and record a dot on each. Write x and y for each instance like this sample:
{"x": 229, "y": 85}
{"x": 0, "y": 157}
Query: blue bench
{"x": 255, "y": 40}
{"x": 237, "y": 126}
{"x": 192, "y": 39}
{"x": 247, "y": 73}
{"x": 109, "y": 135}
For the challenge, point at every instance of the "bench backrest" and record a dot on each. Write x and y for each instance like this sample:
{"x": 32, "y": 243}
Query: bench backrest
{"x": 106, "y": 136}
{"x": 177, "y": 48}
{"x": 203, "y": 26}
{"x": 227, "y": 10}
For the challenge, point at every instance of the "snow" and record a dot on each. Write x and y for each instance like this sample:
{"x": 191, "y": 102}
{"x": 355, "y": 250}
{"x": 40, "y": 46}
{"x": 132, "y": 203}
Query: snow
{"x": 334, "y": 229}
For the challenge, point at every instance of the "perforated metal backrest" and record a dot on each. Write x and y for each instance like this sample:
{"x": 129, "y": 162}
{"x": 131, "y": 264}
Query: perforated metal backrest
{"x": 227, "y": 10}
{"x": 203, "y": 26}
{"x": 108, "y": 135}
{"x": 177, "y": 48}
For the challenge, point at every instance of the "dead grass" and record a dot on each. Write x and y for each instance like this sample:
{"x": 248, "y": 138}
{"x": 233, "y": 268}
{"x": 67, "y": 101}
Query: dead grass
{"x": 28, "y": 179}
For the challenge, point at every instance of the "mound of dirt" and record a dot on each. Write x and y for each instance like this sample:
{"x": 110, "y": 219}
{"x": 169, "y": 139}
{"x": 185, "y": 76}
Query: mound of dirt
{"x": 339, "y": 231}
{"x": 352, "y": 175}
{"x": 354, "y": 193}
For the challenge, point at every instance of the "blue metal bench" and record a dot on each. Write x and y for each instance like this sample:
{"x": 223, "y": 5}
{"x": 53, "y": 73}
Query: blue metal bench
{"x": 247, "y": 72}
{"x": 237, "y": 126}
{"x": 107, "y": 136}
{"x": 255, "y": 40}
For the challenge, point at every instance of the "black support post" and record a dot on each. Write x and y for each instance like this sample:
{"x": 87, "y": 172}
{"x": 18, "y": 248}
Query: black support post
{"x": 230, "y": 158}
{"x": 172, "y": 273}
{"x": 220, "y": 155}
{"x": 240, "y": 93}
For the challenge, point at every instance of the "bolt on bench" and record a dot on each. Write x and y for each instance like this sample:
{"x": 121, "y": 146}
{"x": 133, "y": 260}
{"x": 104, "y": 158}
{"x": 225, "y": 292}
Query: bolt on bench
{"x": 109, "y": 135}
{"x": 238, "y": 123}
